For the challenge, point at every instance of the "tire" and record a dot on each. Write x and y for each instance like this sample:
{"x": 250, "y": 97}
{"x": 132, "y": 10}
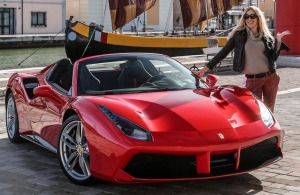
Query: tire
{"x": 73, "y": 152}
{"x": 12, "y": 121}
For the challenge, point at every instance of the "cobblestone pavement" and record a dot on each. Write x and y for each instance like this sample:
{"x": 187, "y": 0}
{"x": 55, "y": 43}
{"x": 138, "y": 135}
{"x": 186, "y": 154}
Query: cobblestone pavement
{"x": 28, "y": 169}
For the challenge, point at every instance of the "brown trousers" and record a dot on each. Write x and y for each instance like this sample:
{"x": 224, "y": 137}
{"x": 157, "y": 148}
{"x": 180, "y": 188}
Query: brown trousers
{"x": 264, "y": 88}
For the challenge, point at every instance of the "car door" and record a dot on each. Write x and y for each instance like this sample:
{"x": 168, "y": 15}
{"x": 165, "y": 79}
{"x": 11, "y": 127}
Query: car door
{"x": 50, "y": 102}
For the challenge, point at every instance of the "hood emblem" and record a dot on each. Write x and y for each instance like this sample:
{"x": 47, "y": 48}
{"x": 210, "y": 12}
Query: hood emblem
{"x": 221, "y": 136}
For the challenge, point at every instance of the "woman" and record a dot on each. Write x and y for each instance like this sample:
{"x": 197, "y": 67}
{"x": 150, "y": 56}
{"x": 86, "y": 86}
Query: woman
{"x": 255, "y": 53}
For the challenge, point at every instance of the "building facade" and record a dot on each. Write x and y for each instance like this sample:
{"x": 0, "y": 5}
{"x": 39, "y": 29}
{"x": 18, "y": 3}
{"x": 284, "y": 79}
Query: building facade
{"x": 48, "y": 16}
{"x": 32, "y": 16}
{"x": 269, "y": 9}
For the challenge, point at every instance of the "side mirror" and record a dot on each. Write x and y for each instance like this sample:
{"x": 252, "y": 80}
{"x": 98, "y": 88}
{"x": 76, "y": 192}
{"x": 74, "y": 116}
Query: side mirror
{"x": 211, "y": 80}
{"x": 46, "y": 91}
{"x": 43, "y": 91}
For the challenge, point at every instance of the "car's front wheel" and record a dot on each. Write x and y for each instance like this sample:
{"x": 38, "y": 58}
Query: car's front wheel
{"x": 73, "y": 151}
{"x": 12, "y": 121}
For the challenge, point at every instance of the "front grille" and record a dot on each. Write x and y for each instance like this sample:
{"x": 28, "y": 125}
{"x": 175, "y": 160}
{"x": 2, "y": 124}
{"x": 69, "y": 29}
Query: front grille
{"x": 260, "y": 154}
{"x": 162, "y": 166}
{"x": 222, "y": 163}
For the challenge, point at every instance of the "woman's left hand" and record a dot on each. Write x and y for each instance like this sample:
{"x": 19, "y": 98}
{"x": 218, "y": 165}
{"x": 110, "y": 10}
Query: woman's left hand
{"x": 280, "y": 35}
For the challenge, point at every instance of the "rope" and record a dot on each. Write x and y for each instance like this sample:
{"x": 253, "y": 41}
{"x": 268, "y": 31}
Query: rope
{"x": 88, "y": 43}
{"x": 169, "y": 16}
{"x": 41, "y": 47}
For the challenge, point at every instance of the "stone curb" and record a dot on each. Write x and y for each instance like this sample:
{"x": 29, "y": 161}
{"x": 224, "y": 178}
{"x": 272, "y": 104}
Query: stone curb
{"x": 2, "y": 92}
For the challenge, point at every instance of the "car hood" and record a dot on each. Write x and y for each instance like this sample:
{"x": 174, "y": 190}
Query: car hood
{"x": 186, "y": 110}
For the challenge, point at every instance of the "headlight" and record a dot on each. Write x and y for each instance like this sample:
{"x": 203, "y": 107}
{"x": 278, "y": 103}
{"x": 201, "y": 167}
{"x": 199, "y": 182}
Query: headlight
{"x": 127, "y": 127}
{"x": 266, "y": 115}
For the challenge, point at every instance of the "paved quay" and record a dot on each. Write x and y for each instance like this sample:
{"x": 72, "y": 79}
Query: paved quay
{"x": 28, "y": 169}
{"x": 31, "y": 40}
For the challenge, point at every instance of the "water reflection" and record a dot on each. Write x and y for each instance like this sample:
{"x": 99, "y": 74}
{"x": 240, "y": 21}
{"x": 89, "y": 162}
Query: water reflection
{"x": 10, "y": 58}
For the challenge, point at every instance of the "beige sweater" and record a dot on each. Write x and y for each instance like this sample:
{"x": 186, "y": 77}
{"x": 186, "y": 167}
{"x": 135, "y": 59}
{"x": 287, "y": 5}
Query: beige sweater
{"x": 255, "y": 60}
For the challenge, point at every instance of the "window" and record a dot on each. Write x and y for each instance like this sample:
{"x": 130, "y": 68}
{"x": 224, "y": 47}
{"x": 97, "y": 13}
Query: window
{"x": 38, "y": 19}
{"x": 7, "y": 21}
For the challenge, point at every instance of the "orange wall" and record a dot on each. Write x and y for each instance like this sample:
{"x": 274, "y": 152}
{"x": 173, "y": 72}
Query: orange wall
{"x": 287, "y": 18}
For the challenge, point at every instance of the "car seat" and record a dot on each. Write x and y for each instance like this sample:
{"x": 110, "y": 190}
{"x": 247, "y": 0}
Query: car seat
{"x": 133, "y": 74}
{"x": 67, "y": 74}
{"x": 61, "y": 74}
{"x": 88, "y": 82}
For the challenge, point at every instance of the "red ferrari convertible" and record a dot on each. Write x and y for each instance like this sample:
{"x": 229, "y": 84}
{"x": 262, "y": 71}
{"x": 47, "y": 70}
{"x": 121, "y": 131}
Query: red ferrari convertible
{"x": 140, "y": 117}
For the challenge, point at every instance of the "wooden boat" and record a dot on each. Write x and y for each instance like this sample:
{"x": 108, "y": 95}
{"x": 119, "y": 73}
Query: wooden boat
{"x": 85, "y": 40}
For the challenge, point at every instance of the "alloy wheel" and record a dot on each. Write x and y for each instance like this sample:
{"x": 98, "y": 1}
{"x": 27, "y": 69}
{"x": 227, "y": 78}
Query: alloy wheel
{"x": 74, "y": 152}
{"x": 12, "y": 122}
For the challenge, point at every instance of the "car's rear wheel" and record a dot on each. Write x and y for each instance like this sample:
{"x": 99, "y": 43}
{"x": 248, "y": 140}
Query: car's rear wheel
{"x": 73, "y": 151}
{"x": 12, "y": 121}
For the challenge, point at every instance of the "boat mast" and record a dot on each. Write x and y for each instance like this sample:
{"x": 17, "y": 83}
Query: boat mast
{"x": 134, "y": 26}
{"x": 104, "y": 13}
{"x": 206, "y": 7}
{"x": 144, "y": 24}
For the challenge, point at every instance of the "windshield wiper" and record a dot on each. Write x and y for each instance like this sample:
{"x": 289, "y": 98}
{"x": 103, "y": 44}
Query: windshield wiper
{"x": 157, "y": 88}
{"x": 136, "y": 90}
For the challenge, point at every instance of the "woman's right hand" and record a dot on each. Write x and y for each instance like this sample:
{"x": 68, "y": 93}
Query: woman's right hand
{"x": 203, "y": 71}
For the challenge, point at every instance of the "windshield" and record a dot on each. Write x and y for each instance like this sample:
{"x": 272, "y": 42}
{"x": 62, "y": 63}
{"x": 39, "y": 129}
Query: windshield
{"x": 133, "y": 73}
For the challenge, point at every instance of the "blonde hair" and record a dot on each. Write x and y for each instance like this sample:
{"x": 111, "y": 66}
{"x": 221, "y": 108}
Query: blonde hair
{"x": 262, "y": 23}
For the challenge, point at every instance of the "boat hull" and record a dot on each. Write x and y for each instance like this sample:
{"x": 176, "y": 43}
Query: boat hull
{"x": 82, "y": 41}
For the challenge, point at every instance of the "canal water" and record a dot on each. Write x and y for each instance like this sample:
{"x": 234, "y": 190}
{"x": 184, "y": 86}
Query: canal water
{"x": 10, "y": 58}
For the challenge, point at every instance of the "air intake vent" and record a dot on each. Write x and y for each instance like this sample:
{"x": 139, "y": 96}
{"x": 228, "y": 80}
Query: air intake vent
{"x": 260, "y": 154}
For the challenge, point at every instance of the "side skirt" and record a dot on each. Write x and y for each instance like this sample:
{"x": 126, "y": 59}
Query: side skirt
{"x": 40, "y": 141}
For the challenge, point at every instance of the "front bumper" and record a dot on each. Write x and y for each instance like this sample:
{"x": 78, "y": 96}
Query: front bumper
{"x": 168, "y": 163}
{"x": 150, "y": 166}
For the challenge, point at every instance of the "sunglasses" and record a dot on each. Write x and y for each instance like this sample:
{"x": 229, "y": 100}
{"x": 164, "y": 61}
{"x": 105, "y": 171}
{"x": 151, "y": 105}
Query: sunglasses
{"x": 252, "y": 16}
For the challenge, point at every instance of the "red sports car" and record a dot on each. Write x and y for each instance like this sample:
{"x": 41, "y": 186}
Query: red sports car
{"x": 140, "y": 117}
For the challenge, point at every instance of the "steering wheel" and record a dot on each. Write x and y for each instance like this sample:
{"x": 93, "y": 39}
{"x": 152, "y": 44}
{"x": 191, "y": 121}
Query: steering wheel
{"x": 151, "y": 81}
{"x": 160, "y": 81}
